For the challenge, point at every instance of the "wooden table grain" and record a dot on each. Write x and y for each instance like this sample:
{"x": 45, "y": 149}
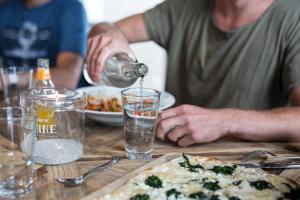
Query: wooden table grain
{"x": 101, "y": 142}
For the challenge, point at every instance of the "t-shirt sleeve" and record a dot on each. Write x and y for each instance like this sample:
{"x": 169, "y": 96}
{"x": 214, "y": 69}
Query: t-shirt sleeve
{"x": 73, "y": 29}
{"x": 291, "y": 65}
{"x": 161, "y": 20}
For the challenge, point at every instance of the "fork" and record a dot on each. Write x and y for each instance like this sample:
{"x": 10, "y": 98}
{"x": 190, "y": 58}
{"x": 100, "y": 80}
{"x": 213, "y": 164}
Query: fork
{"x": 255, "y": 154}
{"x": 259, "y": 153}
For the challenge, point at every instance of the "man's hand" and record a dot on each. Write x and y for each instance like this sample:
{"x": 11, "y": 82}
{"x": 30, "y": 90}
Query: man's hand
{"x": 106, "y": 39}
{"x": 189, "y": 124}
{"x": 103, "y": 45}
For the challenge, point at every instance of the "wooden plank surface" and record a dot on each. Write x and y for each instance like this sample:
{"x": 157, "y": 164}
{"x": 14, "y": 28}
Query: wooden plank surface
{"x": 102, "y": 142}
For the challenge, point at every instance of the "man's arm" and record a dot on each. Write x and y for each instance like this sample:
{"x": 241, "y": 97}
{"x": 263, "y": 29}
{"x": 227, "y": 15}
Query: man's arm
{"x": 133, "y": 28}
{"x": 106, "y": 39}
{"x": 281, "y": 124}
{"x": 191, "y": 124}
{"x": 67, "y": 71}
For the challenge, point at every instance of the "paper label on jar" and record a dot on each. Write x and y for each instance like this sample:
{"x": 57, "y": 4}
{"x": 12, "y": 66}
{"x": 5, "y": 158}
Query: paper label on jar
{"x": 46, "y": 121}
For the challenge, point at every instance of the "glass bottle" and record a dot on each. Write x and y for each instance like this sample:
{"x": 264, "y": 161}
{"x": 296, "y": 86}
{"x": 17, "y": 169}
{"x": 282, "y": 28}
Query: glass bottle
{"x": 46, "y": 118}
{"x": 43, "y": 76}
{"x": 120, "y": 70}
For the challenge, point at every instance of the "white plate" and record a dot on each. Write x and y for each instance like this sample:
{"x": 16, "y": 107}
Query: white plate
{"x": 116, "y": 118}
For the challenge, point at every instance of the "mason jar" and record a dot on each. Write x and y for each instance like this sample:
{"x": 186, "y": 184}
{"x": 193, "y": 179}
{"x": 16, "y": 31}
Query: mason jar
{"x": 59, "y": 127}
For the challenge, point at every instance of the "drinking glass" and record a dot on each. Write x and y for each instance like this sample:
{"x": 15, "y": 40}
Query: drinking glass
{"x": 14, "y": 80}
{"x": 16, "y": 166}
{"x": 59, "y": 123}
{"x": 140, "y": 108}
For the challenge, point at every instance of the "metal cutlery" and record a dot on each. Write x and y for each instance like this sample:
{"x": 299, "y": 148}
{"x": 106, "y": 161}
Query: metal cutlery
{"x": 254, "y": 154}
{"x": 273, "y": 165}
{"x": 267, "y": 155}
{"x": 271, "y": 161}
{"x": 80, "y": 179}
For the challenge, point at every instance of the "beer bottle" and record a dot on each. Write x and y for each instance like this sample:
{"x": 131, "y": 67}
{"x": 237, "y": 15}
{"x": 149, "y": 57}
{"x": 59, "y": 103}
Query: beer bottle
{"x": 43, "y": 76}
{"x": 46, "y": 119}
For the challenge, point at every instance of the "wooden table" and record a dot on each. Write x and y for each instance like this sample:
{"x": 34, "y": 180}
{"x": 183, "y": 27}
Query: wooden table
{"x": 102, "y": 142}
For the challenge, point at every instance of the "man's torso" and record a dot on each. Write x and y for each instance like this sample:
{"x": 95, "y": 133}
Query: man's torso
{"x": 241, "y": 68}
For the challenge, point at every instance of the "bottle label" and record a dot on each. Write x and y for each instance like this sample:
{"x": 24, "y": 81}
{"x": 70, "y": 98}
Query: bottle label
{"x": 43, "y": 74}
{"x": 46, "y": 121}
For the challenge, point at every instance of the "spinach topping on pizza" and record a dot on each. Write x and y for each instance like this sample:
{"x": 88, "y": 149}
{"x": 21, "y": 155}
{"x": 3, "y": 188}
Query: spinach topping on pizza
{"x": 201, "y": 196}
{"x": 294, "y": 194}
{"x": 186, "y": 164}
{"x": 236, "y": 183}
{"x": 261, "y": 185}
{"x": 198, "y": 196}
{"x": 213, "y": 186}
{"x": 205, "y": 179}
{"x": 226, "y": 170}
{"x": 214, "y": 197}
{"x": 173, "y": 192}
{"x": 234, "y": 198}
{"x": 154, "y": 181}
{"x": 140, "y": 197}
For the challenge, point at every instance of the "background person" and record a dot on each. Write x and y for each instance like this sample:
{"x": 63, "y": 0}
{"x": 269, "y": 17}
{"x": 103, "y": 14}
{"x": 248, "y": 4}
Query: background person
{"x": 54, "y": 29}
{"x": 233, "y": 66}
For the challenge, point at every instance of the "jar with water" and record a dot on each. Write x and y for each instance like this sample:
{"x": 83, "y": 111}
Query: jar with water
{"x": 59, "y": 115}
{"x": 120, "y": 70}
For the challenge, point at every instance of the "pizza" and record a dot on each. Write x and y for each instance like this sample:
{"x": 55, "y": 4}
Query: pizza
{"x": 200, "y": 178}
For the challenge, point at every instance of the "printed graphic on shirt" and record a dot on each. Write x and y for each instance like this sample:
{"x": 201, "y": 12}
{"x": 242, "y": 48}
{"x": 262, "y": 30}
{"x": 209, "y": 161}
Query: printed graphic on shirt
{"x": 25, "y": 44}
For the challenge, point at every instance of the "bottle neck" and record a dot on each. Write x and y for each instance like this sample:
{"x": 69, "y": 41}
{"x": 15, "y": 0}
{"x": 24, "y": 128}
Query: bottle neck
{"x": 140, "y": 70}
{"x": 43, "y": 74}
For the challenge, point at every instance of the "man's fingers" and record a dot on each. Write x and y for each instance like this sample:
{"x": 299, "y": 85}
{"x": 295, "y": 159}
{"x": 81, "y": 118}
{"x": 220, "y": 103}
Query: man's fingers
{"x": 95, "y": 47}
{"x": 166, "y": 125}
{"x": 103, "y": 55}
{"x": 96, "y": 62}
{"x": 89, "y": 49}
{"x": 169, "y": 113}
{"x": 92, "y": 44}
{"x": 186, "y": 141}
{"x": 177, "y": 133}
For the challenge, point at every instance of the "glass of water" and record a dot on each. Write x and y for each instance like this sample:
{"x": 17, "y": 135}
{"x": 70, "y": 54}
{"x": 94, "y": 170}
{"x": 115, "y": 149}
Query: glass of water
{"x": 14, "y": 81}
{"x": 140, "y": 108}
{"x": 16, "y": 166}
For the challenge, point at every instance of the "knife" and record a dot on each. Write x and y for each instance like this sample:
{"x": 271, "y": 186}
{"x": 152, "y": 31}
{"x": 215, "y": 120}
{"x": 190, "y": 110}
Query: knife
{"x": 270, "y": 165}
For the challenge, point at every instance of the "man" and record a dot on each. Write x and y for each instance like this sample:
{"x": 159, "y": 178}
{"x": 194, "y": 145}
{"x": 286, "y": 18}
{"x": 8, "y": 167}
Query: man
{"x": 54, "y": 29}
{"x": 233, "y": 64}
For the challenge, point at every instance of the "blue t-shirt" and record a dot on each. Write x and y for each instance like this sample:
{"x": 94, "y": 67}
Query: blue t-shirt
{"x": 42, "y": 32}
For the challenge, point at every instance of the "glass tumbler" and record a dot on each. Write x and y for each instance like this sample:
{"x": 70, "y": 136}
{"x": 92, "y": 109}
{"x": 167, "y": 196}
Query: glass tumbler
{"x": 16, "y": 166}
{"x": 60, "y": 123}
{"x": 14, "y": 81}
{"x": 140, "y": 112}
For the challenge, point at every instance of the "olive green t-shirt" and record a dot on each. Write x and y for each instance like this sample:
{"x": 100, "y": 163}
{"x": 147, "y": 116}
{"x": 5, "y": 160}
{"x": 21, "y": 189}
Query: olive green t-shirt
{"x": 253, "y": 67}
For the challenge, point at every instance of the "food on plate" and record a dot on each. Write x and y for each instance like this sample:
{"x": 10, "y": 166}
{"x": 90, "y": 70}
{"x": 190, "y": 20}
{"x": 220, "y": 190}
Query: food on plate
{"x": 103, "y": 103}
{"x": 201, "y": 178}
